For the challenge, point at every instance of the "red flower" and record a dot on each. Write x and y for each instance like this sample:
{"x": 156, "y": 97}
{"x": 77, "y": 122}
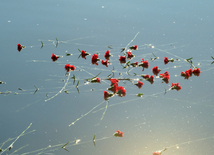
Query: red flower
{"x": 19, "y": 47}
{"x": 187, "y": 73}
{"x": 165, "y": 77}
{"x": 121, "y": 91}
{"x": 155, "y": 70}
{"x": 107, "y": 54}
{"x": 196, "y": 71}
{"x": 69, "y": 67}
{"x": 94, "y": 59}
{"x": 84, "y": 54}
{"x": 118, "y": 133}
{"x": 135, "y": 64}
{"x": 133, "y": 47}
{"x": 95, "y": 80}
{"x": 113, "y": 81}
{"x": 156, "y": 153}
{"x": 139, "y": 84}
{"x": 114, "y": 87}
{"x": 130, "y": 55}
{"x": 54, "y": 57}
{"x": 144, "y": 64}
{"x": 175, "y": 86}
{"x": 166, "y": 60}
{"x": 105, "y": 63}
{"x": 145, "y": 76}
{"x": 107, "y": 95}
{"x": 151, "y": 79}
{"x": 122, "y": 59}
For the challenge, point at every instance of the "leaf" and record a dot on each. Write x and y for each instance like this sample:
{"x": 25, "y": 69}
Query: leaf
{"x": 94, "y": 137}
{"x": 42, "y": 44}
{"x": 212, "y": 57}
{"x": 68, "y": 54}
{"x": 79, "y": 50}
{"x": 77, "y": 84}
{"x": 73, "y": 78}
{"x": 139, "y": 95}
{"x": 79, "y": 56}
{"x": 189, "y": 59}
{"x": 110, "y": 46}
{"x": 93, "y": 77}
{"x": 65, "y": 145}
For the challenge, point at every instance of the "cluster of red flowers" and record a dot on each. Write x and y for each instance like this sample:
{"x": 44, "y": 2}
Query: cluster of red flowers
{"x": 119, "y": 90}
{"x": 149, "y": 78}
{"x": 69, "y": 67}
{"x": 175, "y": 86}
{"x": 188, "y": 73}
{"x": 118, "y": 133}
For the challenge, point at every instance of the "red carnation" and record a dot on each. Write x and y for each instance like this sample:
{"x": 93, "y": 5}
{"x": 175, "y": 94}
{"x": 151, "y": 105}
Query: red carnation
{"x": 196, "y": 71}
{"x": 155, "y": 70}
{"x": 121, "y": 91}
{"x": 118, "y": 133}
{"x": 165, "y": 77}
{"x": 145, "y": 76}
{"x": 105, "y": 62}
{"x": 175, "y": 86}
{"x": 166, "y": 60}
{"x": 107, "y": 95}
{"x": 144, "y": 64}
{"x": 107, "y": 54}
{"x": 139, "y": 84}
{"x": 95, "y": 80}
{"x": 133, "y": 47}
{"x": 113, "y": 81}
{"x": 54, "y": 57}
{"x": 122, "y": 59}
{"x": 113, "y": 87}
{"x": 135, "y": 64}
{"x": 19, "y": 47}
{"x": 94, "y": 59}
{"x": 130, "y": 55}
{"x": 84, "y": 54}
{"x": 69, "y": 67}
{"x": 151, "y": 79}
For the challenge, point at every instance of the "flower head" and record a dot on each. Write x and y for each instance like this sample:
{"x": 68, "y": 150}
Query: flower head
{"x": 122, "y": 59}
{"x": 165, "y": 77}
{"x": 54, "y": 57}
{"x": 94, "y": 59}
{"x": 121, "y": 91}
{"x": 107, "y": 54}
{"x": 19, "y": 47}
{"x": 118, "y": 133}
{"x": 69, "y": 67}
{"x": 105, "y": 62}
{"x": 139, "y": 84}
{"x": 130, "y": 55}
{"x": 196, "y": 71}
{"x": 107, "y": 95}
{"x": 156, "y": 70}
{"x": 144, "y": 64}
{"x": 113, "y": 81}
{"x": 95, "y": 80}
{"x": 187, "y": 73}
{"x": 134, "y": 47}
{"x": 134, "y": 64}
{"x": 166, "y": 60}
{"x": 175, "y": 86}
{"x": 84, "y": 54}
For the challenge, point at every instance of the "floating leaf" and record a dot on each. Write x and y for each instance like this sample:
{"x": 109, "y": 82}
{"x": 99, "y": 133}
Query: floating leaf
{"x": 57, "y": 42}
{"x": 42, "y": 44}
{"x": 139, "y": 95}
{"x": 94, "y": 137}
{"x": 213, "y": 59}
{"x": 68, "y": 54}
{"x": 65, "y": 145}
{"x": 110, "y": 46}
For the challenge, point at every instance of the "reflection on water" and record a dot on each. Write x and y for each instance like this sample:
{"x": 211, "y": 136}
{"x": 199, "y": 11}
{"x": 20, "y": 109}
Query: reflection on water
{"x": 49, "y": 110}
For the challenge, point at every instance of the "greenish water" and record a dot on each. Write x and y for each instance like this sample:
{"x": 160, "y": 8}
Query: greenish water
{"x": 180, "y": 120}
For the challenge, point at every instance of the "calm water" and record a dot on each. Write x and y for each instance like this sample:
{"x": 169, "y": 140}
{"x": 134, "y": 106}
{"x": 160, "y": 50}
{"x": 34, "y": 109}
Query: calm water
{"x": 180, "y": 120}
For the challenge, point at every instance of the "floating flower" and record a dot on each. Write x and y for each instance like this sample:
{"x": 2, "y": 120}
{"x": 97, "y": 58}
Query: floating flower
{"x": 156, "y": 70}
{"x": 55, "y": 57}
{"x": 196, "y": 71}
{"x": 105, "y": 62}
{"x": 130, "y": 55}
{"x": 95, "y": 80}
{"x": 107, "y": 95}
{"x": 113, "y": 88}
{"x": 122, "y": 59}
{"x": 187, "y": 73}
{"x": 166, "y": 60}
{"x": 145, "y": 76}
{"x": 151, "y": 79}
{"x": 135, "y": 64}
{"x": 165, "y": 77}
{"x": 107, "y": 54}
{"x": 84, "y": 54}
{"x": 94, "y": 59}
{"x": 144, "y": 64}
{"x": 19, "y": 47}
{"x": 121, "y": 91}
{"x": 175, "y": 86}
{"x": 69, "y": 67}
{"x": 139, "y": 84}
{"x": 113, "y": 81}
{"x": 134, "y": 47}
{"x": 118, "y": 133}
